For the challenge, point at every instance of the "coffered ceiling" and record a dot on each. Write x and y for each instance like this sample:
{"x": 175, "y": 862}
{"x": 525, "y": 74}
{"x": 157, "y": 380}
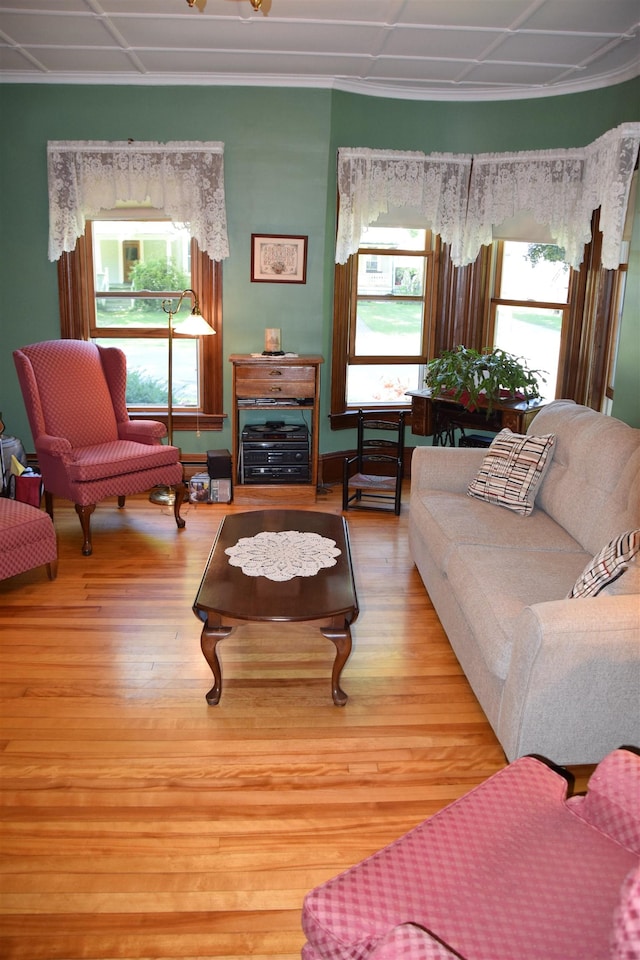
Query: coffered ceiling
{"x": 414, "y": 49}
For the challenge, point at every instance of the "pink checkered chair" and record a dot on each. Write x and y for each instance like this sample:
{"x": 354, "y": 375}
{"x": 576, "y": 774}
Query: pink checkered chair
{"x": 513, "y": 870}
{"x": 87, "y": 446}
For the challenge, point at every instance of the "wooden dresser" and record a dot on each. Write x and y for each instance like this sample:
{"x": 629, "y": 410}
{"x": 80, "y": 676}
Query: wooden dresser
{"x": 270, "y": 388}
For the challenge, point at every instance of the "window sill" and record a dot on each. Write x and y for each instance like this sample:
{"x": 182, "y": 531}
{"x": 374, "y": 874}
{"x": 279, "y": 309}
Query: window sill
{"x": 183, "y": 421}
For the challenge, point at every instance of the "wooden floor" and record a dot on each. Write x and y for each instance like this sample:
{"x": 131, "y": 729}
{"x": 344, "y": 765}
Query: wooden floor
{"x": 138, "y": 822}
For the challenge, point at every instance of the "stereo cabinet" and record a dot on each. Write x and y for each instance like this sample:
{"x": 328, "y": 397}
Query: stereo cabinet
{"x": 269, "y": 388}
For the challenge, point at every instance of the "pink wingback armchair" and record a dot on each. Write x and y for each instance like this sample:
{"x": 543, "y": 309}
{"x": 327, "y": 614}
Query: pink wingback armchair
{"x": 513, "y": 870}
{"x": 87, "y": 446}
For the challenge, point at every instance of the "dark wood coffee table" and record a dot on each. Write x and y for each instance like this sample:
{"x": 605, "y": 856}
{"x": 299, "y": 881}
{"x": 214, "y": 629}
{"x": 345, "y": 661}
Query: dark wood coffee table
{"x": 329, "y": 595}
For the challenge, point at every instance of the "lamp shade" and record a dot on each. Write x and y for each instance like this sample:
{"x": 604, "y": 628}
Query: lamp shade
{"x": 194, "y": 326}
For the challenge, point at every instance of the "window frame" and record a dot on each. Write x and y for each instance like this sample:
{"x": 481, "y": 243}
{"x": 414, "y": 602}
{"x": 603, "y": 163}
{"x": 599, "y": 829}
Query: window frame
{"x": 346, "y": 299}
{"x": 497, "y": 249}
{"x": 77, "y": 321}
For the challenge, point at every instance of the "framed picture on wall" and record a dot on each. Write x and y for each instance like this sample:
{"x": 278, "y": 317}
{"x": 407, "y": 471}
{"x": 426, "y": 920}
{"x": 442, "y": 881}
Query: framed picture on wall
{"x": 276, "y": 258}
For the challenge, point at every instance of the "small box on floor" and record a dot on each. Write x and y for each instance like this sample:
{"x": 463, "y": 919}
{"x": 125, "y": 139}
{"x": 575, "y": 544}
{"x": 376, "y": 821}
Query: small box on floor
{"x": 219, "y": 467}
{"x": 199, "y": 488}
{"x": 220, "y": 491}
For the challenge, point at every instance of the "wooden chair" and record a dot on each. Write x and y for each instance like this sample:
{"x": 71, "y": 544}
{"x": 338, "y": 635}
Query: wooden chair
{"x": 372, "y": 479}
{"x": 87, "y": 446}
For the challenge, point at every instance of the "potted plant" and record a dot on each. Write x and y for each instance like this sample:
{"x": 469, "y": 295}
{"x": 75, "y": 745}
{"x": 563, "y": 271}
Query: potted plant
{"x": 480, "y": 379}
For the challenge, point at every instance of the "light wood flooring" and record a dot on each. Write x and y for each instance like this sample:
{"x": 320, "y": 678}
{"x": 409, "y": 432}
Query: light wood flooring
{"x": 138, "y": 822}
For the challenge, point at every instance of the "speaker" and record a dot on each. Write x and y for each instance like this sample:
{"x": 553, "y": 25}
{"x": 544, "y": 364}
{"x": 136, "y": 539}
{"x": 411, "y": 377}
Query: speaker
{"x": 219, "y": 464}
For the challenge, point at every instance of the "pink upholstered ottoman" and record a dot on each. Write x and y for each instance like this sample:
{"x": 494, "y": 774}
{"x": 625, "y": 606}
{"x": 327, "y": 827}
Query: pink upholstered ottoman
{"x": 27, "y": 539}
{"x": 510, "y": 871}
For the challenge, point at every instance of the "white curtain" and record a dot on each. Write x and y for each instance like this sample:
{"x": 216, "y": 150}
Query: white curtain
{"x": 560, "y": 189}
{"x": 371, "y": 182}
{"x": 184, "y": 179}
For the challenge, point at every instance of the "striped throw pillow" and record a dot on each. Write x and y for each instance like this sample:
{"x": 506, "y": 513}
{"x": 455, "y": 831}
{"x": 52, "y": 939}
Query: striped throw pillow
{"x": 512, "y": 470}
{"x": 607, "y": 565}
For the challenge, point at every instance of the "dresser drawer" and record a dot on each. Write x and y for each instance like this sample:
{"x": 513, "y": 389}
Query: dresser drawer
{"x": 258, "y": 380}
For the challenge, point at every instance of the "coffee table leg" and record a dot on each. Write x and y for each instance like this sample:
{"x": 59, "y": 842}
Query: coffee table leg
{"x": 208, "y": 641}
{"x": 340, "y": 634}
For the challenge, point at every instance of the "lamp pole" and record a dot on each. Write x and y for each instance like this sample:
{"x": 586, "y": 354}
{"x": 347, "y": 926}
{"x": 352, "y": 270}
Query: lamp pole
{"x": 194, "y": 326}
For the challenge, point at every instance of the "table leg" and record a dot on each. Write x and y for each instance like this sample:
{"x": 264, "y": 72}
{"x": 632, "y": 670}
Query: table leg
{"x": 209, "y": 638}
{"x": 339, "y": 632}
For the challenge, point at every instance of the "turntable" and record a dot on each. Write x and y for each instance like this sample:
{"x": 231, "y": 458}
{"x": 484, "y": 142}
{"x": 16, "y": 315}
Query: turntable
{"x": 275, "y": 430}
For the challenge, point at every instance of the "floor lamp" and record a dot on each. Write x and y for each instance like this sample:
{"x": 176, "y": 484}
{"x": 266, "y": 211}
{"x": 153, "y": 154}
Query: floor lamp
{"x": 194, "y": 326}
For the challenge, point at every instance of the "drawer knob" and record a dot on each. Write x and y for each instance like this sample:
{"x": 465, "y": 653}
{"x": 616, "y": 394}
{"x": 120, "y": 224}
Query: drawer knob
{"x": 276, "y": 389}
{"x": 275, "y": 373}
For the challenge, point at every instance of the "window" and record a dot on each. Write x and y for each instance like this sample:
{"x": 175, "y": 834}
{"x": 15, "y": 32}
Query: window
{"x": 112, "y": 288}
{"x": 530, "y": 308}
{"x": 382, "y": 317}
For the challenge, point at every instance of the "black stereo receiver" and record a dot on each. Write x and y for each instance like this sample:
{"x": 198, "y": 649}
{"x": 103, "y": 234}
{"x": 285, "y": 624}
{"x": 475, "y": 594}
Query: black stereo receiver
{"x": 275, "y": 452}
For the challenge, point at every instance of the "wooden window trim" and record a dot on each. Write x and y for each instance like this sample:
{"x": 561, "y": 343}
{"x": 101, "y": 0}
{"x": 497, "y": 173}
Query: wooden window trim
{"x": 345, "y": 303}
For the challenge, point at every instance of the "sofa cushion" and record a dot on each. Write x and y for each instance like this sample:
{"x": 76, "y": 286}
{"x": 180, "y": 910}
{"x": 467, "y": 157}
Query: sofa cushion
{"x": 609, "y": 564}
{"x": 512, "y": 470}
{"x": 445, "y": 519}
{"x": 493, "y": 586}
{"x": 628, "y": 582}
{"x": 120, "y": 458}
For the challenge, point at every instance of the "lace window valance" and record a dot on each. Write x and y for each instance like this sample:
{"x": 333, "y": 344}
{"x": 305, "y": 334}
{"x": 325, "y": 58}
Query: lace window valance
{"x": 559, "y": 188}
{"x": 184, "y": 179}
{"x": 371, "y": 182}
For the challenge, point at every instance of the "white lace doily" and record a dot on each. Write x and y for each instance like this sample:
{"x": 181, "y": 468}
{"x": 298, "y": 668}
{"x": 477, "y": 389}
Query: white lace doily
{"x": 283, "y": 555}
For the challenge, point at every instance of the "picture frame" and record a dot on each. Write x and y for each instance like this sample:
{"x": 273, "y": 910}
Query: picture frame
{"x": 278, "y": 258}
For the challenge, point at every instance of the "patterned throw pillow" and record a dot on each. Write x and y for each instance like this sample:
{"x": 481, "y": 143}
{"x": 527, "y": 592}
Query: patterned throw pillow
{"x": 608, "y": 565}
{"x": 512, "y": 470}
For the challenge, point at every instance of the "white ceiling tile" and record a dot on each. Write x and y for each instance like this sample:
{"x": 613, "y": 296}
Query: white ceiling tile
{"x": 464, "y": 13}
{"x": 436, "y": 71}
{"x": 542, "y": 48}
{"x": 459, "y": 44}
{"x": 45, "y": 28}
{"x": 86, "y": 61}
{"x": 528, "y": 74}
{"x": 588, "y": 16}
{"x": 12, "y": 59}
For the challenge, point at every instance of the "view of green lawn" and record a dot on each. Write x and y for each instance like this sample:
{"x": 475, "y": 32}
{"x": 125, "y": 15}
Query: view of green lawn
{"x": 393, "y": 328}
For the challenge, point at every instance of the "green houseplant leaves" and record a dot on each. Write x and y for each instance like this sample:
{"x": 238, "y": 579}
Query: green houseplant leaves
{"x": 480, "y": 379}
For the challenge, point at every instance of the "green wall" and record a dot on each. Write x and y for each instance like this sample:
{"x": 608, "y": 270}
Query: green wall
{"x": 280, "y": 154}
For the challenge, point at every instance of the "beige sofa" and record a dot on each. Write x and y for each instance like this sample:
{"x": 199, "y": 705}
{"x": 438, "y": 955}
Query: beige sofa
{"x": 555, "y": 676}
